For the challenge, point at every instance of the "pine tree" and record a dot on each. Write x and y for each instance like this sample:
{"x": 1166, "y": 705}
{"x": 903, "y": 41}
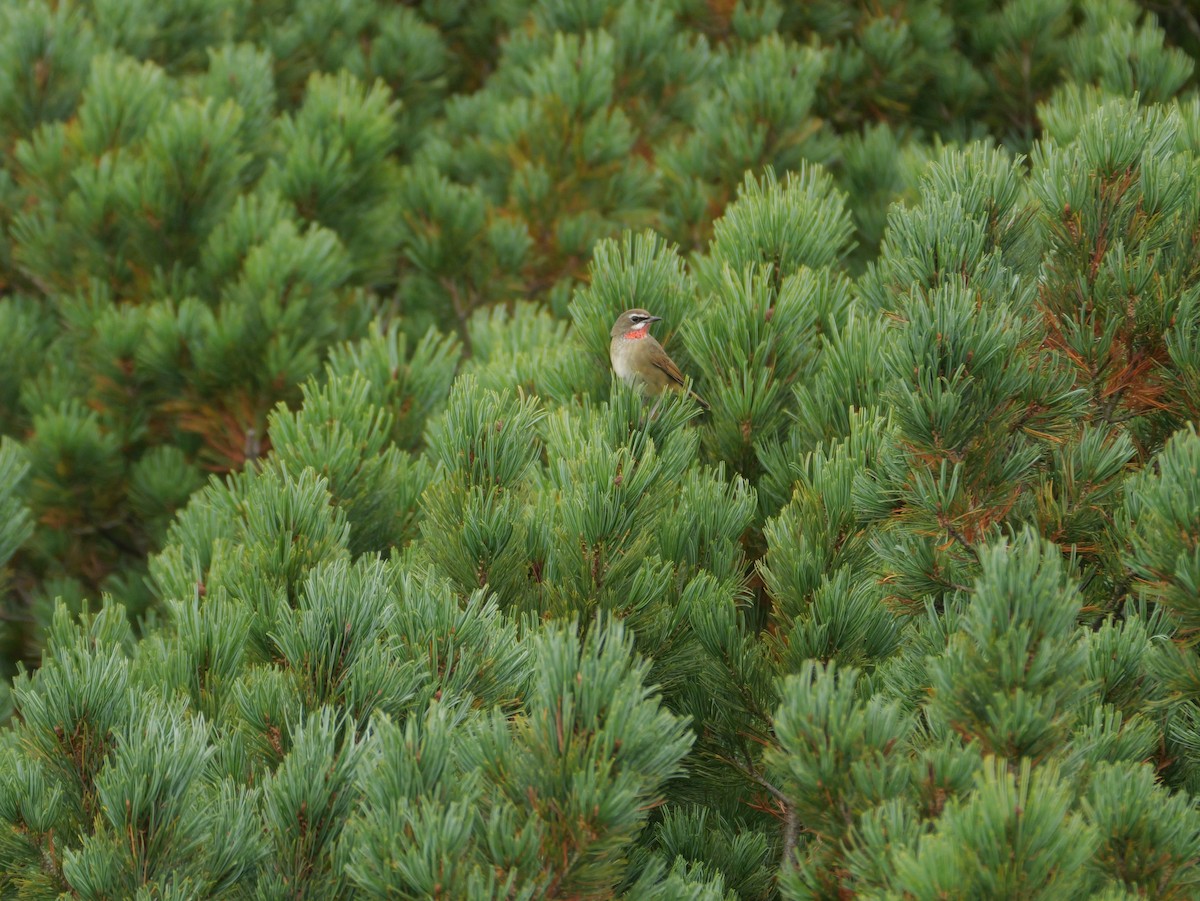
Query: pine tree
{"x": 337, "y": 564}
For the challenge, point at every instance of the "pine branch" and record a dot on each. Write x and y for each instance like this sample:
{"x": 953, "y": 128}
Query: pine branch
{"x": 791, "y": 823}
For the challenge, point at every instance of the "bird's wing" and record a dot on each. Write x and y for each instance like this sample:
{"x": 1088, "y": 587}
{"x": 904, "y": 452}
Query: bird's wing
{"x": 671, "y": 371}
{"x": 667, "y": 365}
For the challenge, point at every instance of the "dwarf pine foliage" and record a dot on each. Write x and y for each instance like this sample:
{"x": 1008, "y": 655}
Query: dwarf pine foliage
{"x": 335, "y": 564}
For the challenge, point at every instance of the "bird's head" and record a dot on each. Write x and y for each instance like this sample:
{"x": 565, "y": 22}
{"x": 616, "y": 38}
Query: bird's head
{"x": 633, "y": 324}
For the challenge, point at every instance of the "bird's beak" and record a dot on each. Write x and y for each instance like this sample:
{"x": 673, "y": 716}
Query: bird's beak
{"x": 654, "y": 319}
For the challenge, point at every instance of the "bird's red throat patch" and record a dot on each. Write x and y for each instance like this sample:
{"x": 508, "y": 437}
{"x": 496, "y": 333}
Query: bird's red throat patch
{"x": 637, "y": 333}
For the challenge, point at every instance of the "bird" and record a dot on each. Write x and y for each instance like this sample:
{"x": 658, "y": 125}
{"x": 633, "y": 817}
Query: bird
{"x": 639, "y": 360}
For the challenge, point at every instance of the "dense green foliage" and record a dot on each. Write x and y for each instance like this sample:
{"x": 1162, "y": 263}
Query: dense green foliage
{"x": 335, "y": 564}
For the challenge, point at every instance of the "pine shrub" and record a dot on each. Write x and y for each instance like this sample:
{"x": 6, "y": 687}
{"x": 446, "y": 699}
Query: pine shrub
{"x": 335, "y": 563}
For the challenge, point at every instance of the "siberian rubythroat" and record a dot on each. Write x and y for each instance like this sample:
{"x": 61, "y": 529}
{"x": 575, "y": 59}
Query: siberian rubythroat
{"x": 639, "y": 360}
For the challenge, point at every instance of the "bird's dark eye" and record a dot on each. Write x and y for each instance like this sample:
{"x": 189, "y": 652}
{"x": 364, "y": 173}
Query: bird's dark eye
{"x": 637, "y": 318}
